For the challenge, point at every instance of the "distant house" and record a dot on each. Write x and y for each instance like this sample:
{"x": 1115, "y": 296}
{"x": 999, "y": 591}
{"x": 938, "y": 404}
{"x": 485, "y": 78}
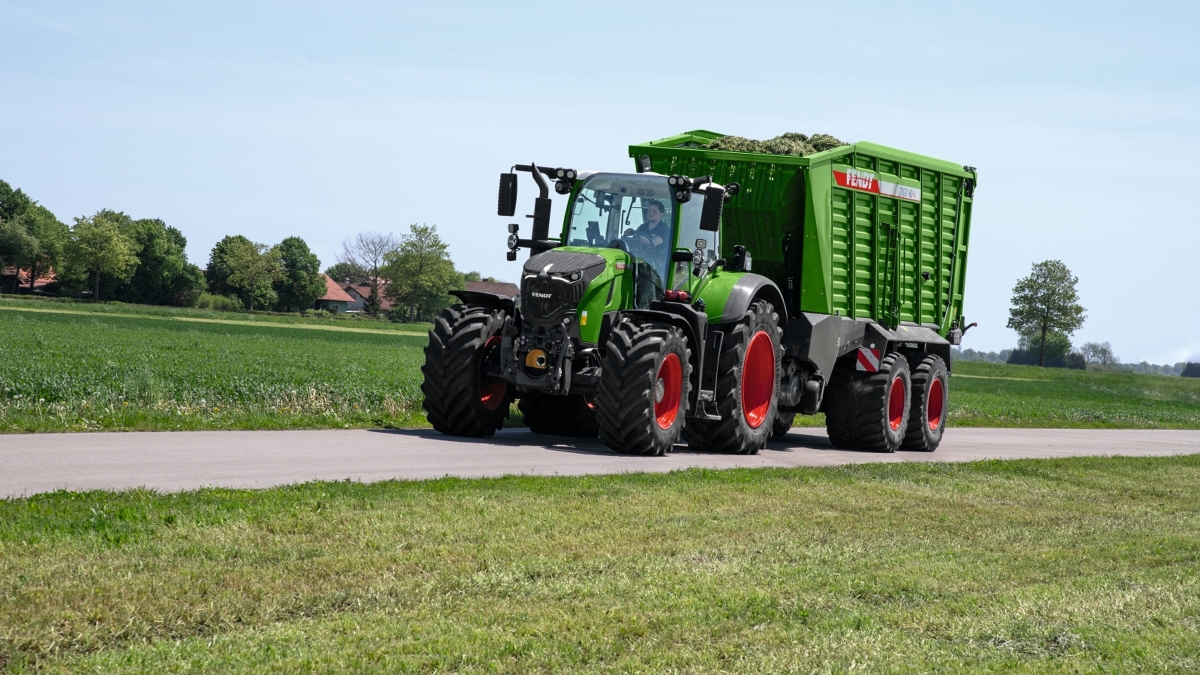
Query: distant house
{"x": 501, "y": 288}
{"x": 11, "y": 275}
{"x": 335, "y": 299}
{"x": 360, "y": 293}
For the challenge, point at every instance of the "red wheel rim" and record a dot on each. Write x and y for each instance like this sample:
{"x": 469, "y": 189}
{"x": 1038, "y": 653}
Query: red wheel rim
{"x": 491, "y": 395}
{"x": 935, "y": 407}
{"x": 668, "y": 389}
{"x": 758, "y": 379}
{"x": 896, "y": 404}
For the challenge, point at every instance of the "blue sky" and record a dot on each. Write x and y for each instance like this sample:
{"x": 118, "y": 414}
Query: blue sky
{"x": 273, "y": 119}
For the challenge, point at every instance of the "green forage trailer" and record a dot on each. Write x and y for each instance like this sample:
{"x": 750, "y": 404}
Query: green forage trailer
{"x": 712, "y": 295}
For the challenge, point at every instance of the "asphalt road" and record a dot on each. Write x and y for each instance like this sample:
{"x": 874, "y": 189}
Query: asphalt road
{"x": 183, "y": 460}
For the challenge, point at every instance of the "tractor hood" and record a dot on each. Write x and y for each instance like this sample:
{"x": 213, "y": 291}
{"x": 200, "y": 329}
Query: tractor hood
{"x": 553, "y": 282}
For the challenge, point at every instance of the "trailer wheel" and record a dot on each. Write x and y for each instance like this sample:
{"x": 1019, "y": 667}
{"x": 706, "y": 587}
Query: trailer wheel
{"x": 460, "y": 398}
{"x": 644, "y": 387}
{"x": 930, "y": 402}
{"x": 572, "y": 415}
{"x": 747, "y": 386}
{"x": 869, "y": 411}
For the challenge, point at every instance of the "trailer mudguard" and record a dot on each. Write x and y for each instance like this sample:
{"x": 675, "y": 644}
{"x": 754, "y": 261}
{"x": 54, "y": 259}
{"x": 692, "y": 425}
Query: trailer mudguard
{"x": 487, "y": 300}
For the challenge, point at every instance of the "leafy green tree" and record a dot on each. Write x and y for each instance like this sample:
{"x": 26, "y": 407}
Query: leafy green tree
{"x": 252, "y": 270}
{"x": 15, "y": 245}
{"x": 217, "y": 274}
{"x": 1046, "y": 301}
{"x": 300, "y": 281}
{"x": 163, "y": 275}
{"x": 50, "y": 235}
{"x": 347, "y": 270}
{"x": 420, "y": 269}
{"x": 13, "y": 203}
{"x": 97, "y": 246}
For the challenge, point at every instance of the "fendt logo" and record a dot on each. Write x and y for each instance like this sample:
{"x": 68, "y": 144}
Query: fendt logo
{"x": 544, "y": 296}
{"x": 863, "y": 180}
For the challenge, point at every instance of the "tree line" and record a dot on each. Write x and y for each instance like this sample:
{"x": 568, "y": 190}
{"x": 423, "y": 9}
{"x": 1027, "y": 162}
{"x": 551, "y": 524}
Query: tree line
{"x": 113, "y": 256}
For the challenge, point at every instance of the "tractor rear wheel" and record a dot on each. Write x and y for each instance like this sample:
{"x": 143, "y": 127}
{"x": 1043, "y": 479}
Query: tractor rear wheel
{"x": 645, "y": 381}
{"x": 930, "y": 402}
{"x": 572, "y": 415}
{"x": 463, "y": 397}
{"x": 747, "y": 386}
{"x": 869, "y": 410}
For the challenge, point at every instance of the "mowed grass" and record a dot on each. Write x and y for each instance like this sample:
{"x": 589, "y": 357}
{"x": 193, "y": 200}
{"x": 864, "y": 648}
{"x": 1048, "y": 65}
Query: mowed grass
{"x": 76, "y": 367}
{"x": 1074, "y": 565}
{"x": 78, "y": 372}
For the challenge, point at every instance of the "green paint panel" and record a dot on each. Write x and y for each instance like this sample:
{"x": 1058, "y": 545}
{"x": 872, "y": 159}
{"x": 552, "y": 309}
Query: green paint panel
{"x": 866, "y": 223}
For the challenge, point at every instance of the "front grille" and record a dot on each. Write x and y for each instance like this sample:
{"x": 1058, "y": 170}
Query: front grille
{"x": 545, "y": 298}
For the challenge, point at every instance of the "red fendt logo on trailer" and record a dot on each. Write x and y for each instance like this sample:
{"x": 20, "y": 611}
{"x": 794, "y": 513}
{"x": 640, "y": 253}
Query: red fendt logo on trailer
{"x": 867, "y": 181}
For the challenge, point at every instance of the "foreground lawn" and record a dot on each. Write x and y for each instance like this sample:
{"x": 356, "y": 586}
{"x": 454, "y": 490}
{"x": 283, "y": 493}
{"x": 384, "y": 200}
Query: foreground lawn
{"x": 1028, "y": 566}
{"x": 79, "y": 367}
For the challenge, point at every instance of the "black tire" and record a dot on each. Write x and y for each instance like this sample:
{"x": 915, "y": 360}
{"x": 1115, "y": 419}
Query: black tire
{"x": 783, "y": 424}
{"x": 636, "y": 366}
{"x": 558, "y": 415}
{"x": 930, "y": 402}
{"x": 739, "y": 431}
{"x": 458, "y": 401}
{"x": 860, "y": 413}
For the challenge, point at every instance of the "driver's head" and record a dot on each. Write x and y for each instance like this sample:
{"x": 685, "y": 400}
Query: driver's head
{"x": 654, "y": 211}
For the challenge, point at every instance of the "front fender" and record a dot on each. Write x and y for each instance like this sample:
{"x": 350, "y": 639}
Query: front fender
{"x": 728, "y": 295}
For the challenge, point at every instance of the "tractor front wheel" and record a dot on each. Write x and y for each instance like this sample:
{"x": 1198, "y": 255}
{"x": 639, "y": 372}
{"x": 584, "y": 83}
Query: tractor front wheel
{"x": 463, "y": 393}
{"x": 747, "y": 386}
{"x": 644, "y": 387}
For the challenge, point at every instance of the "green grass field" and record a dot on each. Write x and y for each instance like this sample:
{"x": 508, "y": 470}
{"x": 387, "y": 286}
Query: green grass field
{"x": 1079, "y": 565}
{"x": 75, "y": 366}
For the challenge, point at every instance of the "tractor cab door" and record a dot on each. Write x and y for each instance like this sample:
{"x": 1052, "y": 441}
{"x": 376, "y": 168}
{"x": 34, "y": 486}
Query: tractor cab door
{"x": 691, "y": 238}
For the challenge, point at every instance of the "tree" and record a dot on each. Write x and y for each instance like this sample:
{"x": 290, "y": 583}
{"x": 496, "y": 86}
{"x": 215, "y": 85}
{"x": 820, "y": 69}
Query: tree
{"x": 96, "y": 247}
{"x": 300, "y": 282}
{"x": 51, "y": 237}
{"x": 1099, "y": 353}
{"x": 163, "y": 275}
{"x": 420, "y": 269}
{"x": 217, "y": 274}
{"x": 1046, "y": 301}
{"x": 15, "y": 245}
{"x": 252, "y": 269}
{"x": 347, "y": 271}
{"x": 13, "y": 203}
{"x": 369, "y": 251}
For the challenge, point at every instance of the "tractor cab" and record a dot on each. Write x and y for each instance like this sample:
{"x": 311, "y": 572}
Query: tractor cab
{"x": 642, "y": 215}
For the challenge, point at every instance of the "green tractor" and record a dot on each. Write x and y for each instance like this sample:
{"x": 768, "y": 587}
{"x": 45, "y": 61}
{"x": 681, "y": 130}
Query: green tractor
{"x": 641, "y": 321}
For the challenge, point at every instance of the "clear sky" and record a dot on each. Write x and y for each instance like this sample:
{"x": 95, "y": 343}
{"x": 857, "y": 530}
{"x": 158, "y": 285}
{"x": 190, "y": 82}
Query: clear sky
{"x": 272, "y": 119}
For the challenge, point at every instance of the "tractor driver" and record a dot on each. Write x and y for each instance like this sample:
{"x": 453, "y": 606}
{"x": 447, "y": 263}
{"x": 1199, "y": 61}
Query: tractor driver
{"x": 654, "y": 237}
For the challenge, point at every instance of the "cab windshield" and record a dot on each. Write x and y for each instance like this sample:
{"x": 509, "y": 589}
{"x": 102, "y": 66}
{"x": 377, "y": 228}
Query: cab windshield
{"x": 634, "y": 213}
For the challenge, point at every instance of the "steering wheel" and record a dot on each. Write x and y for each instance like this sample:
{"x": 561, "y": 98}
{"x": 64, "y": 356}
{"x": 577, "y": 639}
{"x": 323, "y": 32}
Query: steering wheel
{"x": 619, "y": 244}
{"x": 631, "y": 243}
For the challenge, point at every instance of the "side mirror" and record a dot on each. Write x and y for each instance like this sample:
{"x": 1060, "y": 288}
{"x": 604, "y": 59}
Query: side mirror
{"x": 506, "y": 205}
{"x": 714, "y": 202}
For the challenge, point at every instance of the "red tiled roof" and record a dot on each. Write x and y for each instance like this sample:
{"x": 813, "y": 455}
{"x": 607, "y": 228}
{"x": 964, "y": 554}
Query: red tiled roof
{"x": 23, "y": 277}
{"x": 333, "y": 292}
{"x": 502, "y": 288}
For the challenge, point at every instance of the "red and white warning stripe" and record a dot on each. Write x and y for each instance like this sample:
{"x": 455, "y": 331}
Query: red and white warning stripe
{"x": 868, "y": 360}
{"x": 867, "y": 181}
